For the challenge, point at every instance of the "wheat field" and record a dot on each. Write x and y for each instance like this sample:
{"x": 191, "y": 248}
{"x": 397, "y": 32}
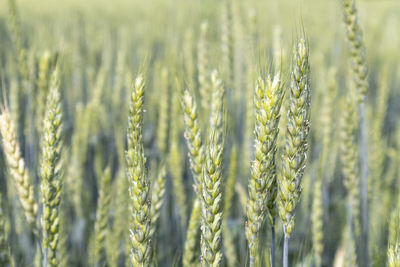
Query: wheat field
{"x": 200, "y": 133}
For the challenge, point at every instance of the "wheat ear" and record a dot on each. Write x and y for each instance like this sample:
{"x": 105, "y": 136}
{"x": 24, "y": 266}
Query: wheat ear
{"x": 294, "y": 152}
{"x": 190, "y": 252}
{"x": 262, "y": 184}
{"x": 139, "y": 184}
{"x": 50, "y": 172}
{"x": 349, "y": 165}
{"x": 211, "y": 195}
{"x": 157, "y": 198}
{"x": 17, "y": 169}
{"x": 360, "y": 78}
{"x": 196, "y": 157}
{"x": 102, "y": 218}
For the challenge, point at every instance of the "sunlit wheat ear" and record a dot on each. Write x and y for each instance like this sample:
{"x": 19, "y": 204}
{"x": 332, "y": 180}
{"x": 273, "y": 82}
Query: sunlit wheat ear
{"x": 50, "y": 171}
{"x": 139, "y": 184}
{"x": 295, "y": 150}
{"x": 262, "y": 183}
{"x": 211, "y": 196}
{"x": 17, "y": 169}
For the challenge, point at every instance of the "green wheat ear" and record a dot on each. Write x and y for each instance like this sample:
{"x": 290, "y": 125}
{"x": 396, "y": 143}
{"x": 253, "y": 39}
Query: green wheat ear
{"x": 295, "y": 149}
{"x": 262, "y": 183}
{"x": 196, "y": 157}
{"x": 211, "y": 235}
{"x": 50, "y": 172}
{"x": 139, "y": 184}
